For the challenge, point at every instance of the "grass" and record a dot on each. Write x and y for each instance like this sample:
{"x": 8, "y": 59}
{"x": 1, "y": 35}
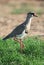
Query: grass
{"x": 33, "y": 52}
{"x": 26, "y": 7}
{"x": 25, "y": 10}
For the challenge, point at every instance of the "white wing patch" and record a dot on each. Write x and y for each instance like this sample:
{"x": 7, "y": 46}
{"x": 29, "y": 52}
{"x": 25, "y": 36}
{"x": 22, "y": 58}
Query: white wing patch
{"x": 21, "y": 36}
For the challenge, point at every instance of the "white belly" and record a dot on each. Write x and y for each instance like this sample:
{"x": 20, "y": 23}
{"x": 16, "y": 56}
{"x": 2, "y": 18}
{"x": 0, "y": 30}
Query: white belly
{"x": 21, "y": 36}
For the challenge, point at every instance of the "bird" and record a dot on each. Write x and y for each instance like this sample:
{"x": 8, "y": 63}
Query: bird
{"x": 21, "y": 31}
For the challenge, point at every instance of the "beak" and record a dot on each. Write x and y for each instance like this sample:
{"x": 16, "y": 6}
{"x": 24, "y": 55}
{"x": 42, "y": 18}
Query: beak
{"x": 35, "y": 15}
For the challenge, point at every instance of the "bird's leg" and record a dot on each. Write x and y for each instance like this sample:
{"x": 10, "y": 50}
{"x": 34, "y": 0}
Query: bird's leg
{"x": 15, "y": 38}
{"x": 21, "y": 45}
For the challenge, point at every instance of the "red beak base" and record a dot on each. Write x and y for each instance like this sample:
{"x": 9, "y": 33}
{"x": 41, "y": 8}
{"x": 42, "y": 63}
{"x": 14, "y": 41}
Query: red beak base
{"x": 35, "y": 15}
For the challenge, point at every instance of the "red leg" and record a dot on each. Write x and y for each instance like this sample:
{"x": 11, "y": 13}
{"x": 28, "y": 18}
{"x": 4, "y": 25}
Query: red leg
{"x": 21, "y": 43}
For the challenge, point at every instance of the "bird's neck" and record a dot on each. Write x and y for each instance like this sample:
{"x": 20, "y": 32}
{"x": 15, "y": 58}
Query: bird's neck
{"x": 27, "y": 23}
{"x": 28, "y": 20}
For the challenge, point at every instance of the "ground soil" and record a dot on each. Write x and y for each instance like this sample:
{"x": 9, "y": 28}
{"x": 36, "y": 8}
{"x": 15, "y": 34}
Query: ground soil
{"x": 8, "y": 22}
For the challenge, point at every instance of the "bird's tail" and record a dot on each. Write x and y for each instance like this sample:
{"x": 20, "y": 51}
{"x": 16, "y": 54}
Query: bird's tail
{"x": 7, "y": 37}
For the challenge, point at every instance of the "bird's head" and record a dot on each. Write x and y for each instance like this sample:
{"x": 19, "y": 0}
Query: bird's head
{"x": 31, "y": 14}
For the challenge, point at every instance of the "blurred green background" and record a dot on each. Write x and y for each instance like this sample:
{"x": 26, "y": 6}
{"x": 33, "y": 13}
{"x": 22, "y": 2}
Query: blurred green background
{"x": 33, "y": 52}
{"x": 21, "y": 6}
